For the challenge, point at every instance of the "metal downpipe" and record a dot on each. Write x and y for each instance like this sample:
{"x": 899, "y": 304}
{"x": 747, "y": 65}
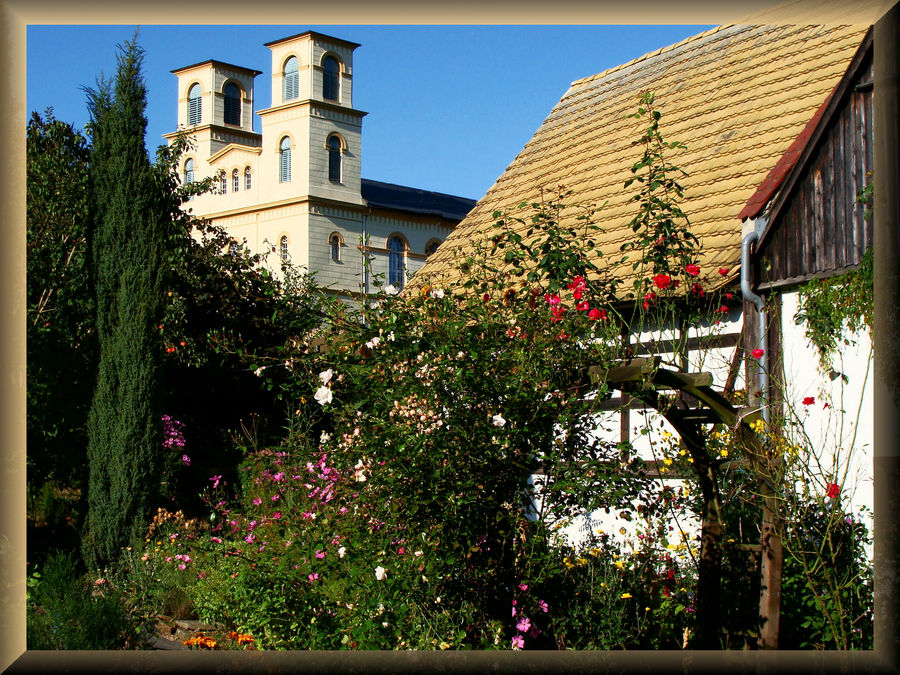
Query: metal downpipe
{"x": 759, "y": 303}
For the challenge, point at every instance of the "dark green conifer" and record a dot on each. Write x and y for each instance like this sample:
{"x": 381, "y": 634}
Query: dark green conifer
{"x": 124, "y": 427}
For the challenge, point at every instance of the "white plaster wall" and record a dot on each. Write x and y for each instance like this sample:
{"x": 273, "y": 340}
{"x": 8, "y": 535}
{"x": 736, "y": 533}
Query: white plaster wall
{"x": 842, "y": 434}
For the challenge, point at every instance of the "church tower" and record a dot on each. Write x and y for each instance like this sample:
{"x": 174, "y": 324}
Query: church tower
{"x": 312, "y": 127}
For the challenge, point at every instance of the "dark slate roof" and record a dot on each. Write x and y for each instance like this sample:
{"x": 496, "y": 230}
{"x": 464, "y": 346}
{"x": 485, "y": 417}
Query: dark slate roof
{"x": 390, "y": 196}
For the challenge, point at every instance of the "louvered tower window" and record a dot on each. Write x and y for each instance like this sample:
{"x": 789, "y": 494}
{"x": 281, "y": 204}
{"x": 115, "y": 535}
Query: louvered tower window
{"x": 194, "y": 104}
{"x": 232, "y": 104}
{"x": 334, "y": 159}
{"x": 331, "y": 73}
{"x": 285, "y": 169}
{"x": 396, "y": 255}
{"x": 291, "y": 79}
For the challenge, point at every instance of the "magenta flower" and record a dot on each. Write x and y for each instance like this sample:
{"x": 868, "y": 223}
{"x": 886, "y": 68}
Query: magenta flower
{"x": 523, "y": 587}
{"x": 543, "y": 606}
{"x": 320, "y": 554}
{"x": 186, "y": 460}
{"x": 215, "y": 480}
{"x": 313, "y": 576}
{"x": 518, "y": 642}
{"x": 523, "y": 624}
{"x": 257, "y": 501}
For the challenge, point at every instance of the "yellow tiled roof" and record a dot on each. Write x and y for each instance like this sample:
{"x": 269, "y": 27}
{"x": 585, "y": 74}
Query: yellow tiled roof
{"x": 736, "y": 96}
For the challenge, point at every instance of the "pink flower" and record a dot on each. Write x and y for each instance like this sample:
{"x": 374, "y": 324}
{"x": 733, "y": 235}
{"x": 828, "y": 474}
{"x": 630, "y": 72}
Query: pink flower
{"x": 832, "y": 491}
{"x": 313, "y": 576}
{"x": 215, "y": 480}
{"x": 182, "y": 566}
{"x": 535, "y": 631}
{"x": 320, "y": 554}
{"x": 216, "y": 540}
{"x": 552, "y": 299}
{"x": 401, "y": 550}
{"x": 578, "y": 284}
{"x": 693, "y": 270}
{"x": 543, "y": 606}
{"x": 557, "y": 311}
{"x": 518, "y": 642}
{"x": 809, "y": 400}
{"x": 582, "y": 306}
{"x": 757, "y": 353}
{"x": 523, "y": 587}
{"x": 186, "y": 460}
{"x": 257, "y": 501}
{"x": 276, "y": 497}
{"x": 523, "y": 624}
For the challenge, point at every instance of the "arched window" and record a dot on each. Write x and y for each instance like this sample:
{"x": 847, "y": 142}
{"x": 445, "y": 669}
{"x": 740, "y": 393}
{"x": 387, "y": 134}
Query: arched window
{"x": 432, "y": 246}
{"x": 235, "y": 181}
{"x": 284, "y": 248}
{"x": 232, "y": 104}
{"x": 247, "y": 178}
{"x": 291, "y": 88}
{"x": 189, "y": 171}
{"x": 396, "y": 261}
{"x": 285, "y": 169}
{"x": 334, "y": 159}
{"x": 194, "y": 104}
{"x": 223, "y": 184}
{"x": 331, "y": 73}
{"x": 334, "y": 241}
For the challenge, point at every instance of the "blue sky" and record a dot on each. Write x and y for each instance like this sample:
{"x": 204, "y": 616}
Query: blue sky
{"x": 449, "y": 107}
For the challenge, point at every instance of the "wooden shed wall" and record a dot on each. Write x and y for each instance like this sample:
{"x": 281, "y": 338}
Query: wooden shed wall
{"x": 821, "y": 229}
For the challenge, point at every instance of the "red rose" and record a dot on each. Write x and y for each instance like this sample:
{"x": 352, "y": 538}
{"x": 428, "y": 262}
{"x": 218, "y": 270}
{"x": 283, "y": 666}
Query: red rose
{"x": 757, "y": 353}
{"x": 662, "y": 281}
{"x": 723, "y": 271}
{"x": 832, "y": 490}
{"x": 809, "y": 400}
{"x": 693, "y": 270}
{"x": 595, "y": 314}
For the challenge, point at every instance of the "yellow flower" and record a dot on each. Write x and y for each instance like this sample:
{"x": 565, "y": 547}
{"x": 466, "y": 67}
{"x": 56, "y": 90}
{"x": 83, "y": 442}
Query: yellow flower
{"x": 625, "y": 596}
{"x": 667, "y": 461}
{"x": 444, "y": 645}
{"x": 723, "y": 452}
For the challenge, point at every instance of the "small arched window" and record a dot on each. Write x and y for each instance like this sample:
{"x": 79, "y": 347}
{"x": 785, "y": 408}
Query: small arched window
{"x": 285, "y": 159}
{"x": 334, "y": 159}
{"x": 232, "y": 104}
{"x": 235, "y": 181}
{"x": 223, "y": 184}
{"x": 396, "y": 261}
{"x": 247, "y": 178}
{"x": 283, "y": 248}
{"x": 334, "y": 241}
{"x": 194, "y": 104}
{"x": 291, "y": 88}
{"x": 431, "y": 247}
{"x": 189, "y": 171}
{"x": 331, "y": 73}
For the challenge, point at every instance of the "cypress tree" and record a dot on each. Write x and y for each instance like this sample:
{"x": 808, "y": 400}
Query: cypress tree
{"x": 128, "y": 241}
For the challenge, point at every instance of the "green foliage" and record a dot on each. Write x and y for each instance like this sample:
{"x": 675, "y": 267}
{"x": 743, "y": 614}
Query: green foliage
{"x": 828, "y": 587}
{"x": 59, "y": 302}
{"x": 124, "y": 434}
{"x": 67, "y": 611}
{"x": 832, "y": 308}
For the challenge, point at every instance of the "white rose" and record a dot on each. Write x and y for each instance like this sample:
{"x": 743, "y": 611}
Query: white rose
{"x": 390, "y": 289}
{"x": 437, "y": 293}
{"x": 342, "y": 551}
{"x": 371, "y": 344}
{"x": 380, "y": 573}
{"x": 323, "y": 395}
{"x": 498, "y": 421}
{"x": 325, "y": 376}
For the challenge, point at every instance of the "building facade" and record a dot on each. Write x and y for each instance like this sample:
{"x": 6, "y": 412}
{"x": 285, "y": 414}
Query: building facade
{"x": 294, "y": 189}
